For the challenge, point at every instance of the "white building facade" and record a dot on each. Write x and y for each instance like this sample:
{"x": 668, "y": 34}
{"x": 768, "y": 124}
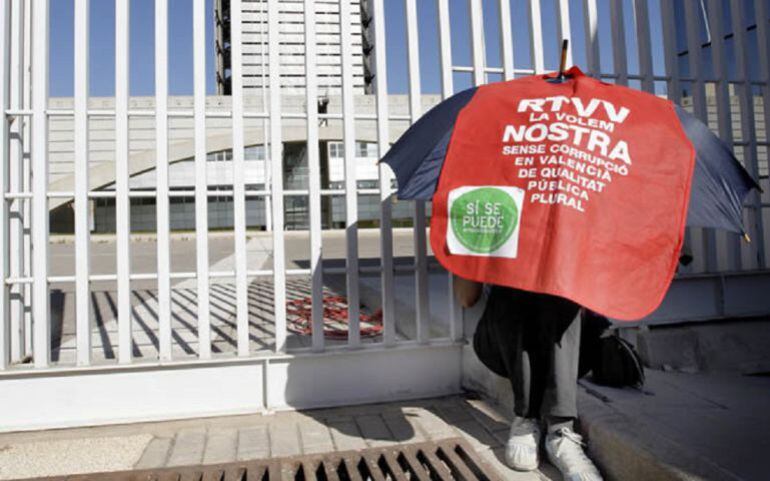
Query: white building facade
{"x": 328, "y": 58}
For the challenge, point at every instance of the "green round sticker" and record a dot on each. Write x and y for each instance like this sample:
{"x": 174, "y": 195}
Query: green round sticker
{"x": 483, "y": 219}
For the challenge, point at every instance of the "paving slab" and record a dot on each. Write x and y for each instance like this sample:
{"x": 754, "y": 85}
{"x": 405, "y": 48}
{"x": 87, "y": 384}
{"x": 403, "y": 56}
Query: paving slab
{"x": 155, "y": 454}
{"x": 253, "y": 443}
{"x": 345, "y": 434}
{"x": 315, "y": 436}
{"x": 188, "y": 447}
{"x": 681, "y": 426}
{"x": 284, "y": 439}
{"x": 374, "y": 430}
{"x": 221, "y": 446}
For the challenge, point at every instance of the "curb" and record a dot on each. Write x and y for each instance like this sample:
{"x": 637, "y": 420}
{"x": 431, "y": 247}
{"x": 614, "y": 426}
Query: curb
{"x": 626, "y": 449}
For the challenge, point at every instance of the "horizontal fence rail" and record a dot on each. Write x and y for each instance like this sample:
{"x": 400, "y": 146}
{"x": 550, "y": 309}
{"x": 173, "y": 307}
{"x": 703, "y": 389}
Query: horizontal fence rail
{"x": 317, "y": 80}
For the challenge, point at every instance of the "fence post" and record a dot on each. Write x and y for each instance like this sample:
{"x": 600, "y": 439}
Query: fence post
{"x": 763, "y": 48}
{"x": 642, "y": 22}
{"x": 351, "y": 187}
{"x": 82, "y": 230}
{"x": 5, "y": 75}
{"x": 447, "y": 90}
{"x": 40, "y": 300}
{"x": 724, "y": 118}
{"x": 591, "y": 23}
{"x": 477, "y": 42}
{"x": 700, "y": 109}
{"x": 618, "y": 26}
{"x": 314, "y": 170}
{"x": 744, "y": 90}
{"x": 16, "y": 182}
{"x": 385, "y": 176}
{"x": 422, "y": 306}
{"x": 276, "y": 178}
{"x": 201, "y": 182}
{"x": 122, "y": 200}
{"x": 239, "y": 187}
{"x": 536, "y": 31}
{"x": 162, "y": 180}
{"x": 506, "y": 39}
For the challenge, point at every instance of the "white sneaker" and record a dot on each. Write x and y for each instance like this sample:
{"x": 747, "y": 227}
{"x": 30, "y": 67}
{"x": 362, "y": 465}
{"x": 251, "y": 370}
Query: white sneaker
{"x": 523, "y": 441}
{"x": 565, "y": 451}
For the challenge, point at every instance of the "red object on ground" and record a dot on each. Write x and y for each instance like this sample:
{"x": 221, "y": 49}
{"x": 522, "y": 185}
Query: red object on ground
{"x": 599, "y": 176}
{"x": 335, "y": 318}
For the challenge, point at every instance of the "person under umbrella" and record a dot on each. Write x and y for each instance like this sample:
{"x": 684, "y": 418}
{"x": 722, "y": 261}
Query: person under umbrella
{"x": 560, "y": 193}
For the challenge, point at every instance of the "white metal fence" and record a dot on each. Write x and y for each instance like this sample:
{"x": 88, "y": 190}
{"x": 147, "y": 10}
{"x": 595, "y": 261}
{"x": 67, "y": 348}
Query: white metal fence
{"x": 735, "y": 109}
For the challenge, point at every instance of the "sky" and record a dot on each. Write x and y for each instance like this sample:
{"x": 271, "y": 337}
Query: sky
{"x": 142, "y": 28}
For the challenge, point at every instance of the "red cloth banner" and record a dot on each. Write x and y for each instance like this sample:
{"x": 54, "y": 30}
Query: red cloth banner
{"x": 576, "y": 189}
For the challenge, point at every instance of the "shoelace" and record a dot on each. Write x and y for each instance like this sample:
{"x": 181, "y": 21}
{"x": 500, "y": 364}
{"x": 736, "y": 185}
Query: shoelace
{"x": 573, "y": 454}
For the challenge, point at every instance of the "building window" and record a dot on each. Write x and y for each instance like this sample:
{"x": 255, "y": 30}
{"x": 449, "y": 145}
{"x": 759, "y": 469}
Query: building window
{"x": 255, "y": 152}
{"x": 366, "y": 150}
{"x": 336, "y": 150}
{"x": 221, "y": 156}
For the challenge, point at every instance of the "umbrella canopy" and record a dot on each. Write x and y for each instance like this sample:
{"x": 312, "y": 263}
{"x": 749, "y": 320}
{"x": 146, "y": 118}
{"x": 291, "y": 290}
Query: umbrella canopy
{"x": 578, "y": 188}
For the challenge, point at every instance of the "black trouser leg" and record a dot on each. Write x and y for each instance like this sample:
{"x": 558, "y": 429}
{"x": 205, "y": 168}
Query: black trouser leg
{"x": 534, "y": 341}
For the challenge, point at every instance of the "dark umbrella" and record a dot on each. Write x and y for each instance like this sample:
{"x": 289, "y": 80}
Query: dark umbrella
{"x": 569, "y": 186}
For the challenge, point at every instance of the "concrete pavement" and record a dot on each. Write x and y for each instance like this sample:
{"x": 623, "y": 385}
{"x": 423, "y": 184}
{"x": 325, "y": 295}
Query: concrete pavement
{"x": 226, "y": 439}
{"x": 682, "y": 426}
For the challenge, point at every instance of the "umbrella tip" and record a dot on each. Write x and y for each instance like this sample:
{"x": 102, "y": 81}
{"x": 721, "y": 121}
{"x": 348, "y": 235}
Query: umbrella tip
{"x": 563, "y": 59}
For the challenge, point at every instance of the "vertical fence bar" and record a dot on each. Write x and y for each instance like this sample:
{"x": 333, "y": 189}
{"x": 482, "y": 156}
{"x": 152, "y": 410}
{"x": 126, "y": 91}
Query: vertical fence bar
{"x": 5, "y": 75}
{"x": 724, "y": 116}
{"x": 536, "y": 29}
{"x": 695, "y": 65}
{"x": 477, "y": 42}
{"x": 122, "y": 201}
{"x": 445, "y": 44}
{"x": 276, "y": 158}
{"x": 268, "y": 172}
{"x": 642, "y": 23}
{"x": 563, "y": 27}
{"x": 698, "y": 89}
{"x": 749, "y": 136}
{"x": 674, "y": 93}
{"x": 201, "y": 182}
{"x": 506, "y": 39}
{"x": 671, "y": 59}
{"x": 314, "y": 184}
{"x": 447, "y": 89}
{"x": 40, "y": 301}
{"x": 162, "y": 179}
{"x": 420, "y": 240}
{"x": 763, "y": 48}
{"x": 385, "y": 174}
{"x": 26, "y": 176}
{"x": 239, "y": 186}
{"x": 591, "y": 22}
{"x": 618, "y": 42}
{"x": 16, "y": 161}
{"x": 351, "y": 187}
{"x": 82, "y": 231}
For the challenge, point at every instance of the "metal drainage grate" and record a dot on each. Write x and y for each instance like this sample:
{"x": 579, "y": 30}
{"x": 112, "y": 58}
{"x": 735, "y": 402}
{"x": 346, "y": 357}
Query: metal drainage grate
{"x": 444, "y": 460}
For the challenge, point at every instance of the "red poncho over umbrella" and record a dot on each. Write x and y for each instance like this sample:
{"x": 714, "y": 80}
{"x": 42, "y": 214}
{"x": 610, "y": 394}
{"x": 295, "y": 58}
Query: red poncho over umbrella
{"x": 578, "y": 189}
{"x": 603, "y": 182}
